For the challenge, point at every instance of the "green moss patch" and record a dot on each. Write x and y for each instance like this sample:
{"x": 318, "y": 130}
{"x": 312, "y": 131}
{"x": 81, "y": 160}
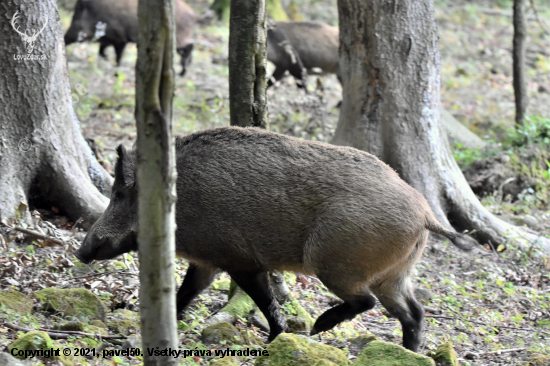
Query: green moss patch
{"x": 239, "y": 305}
{"x": 296, "y": 350}
{"x": 72, "y": 302}
{"x": 34, "y": 341}
{"x": 445, "y": 355}
{"x": 16, "y": 301}
{"x": 378, "y": 353}
{"x": 216, "y": 333}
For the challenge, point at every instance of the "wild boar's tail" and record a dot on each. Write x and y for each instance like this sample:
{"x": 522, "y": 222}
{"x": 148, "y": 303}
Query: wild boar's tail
{"x": 462, "y": 241}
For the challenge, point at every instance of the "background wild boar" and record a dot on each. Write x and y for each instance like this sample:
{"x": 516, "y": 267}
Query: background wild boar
{"x": 115, "y": 23}
{"x": 316, "y": 45}
{"x": 252, "y": 201}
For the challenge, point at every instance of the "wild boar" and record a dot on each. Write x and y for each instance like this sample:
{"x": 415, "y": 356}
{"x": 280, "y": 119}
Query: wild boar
{"x": 315, "y": 44}
{"x": 115, "y": 23}
{"x": 252, "y": 201}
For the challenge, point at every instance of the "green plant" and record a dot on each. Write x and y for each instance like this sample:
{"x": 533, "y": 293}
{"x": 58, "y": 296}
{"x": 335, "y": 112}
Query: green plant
{"x": 535, "y": 130}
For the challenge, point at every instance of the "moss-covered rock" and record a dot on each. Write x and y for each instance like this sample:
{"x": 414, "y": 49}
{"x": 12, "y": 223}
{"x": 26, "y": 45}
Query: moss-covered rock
{"x": 358, "y": 343}
{"x": 296, "y": 350}
{"x": 123, "y": 326}
{"x": 301, "y": 313}
{"x": 92, "y": 329}
{"x": 224, "y": 361}
{"x": 16, "y": 301}
{"x": 72, "y": 302}
{"x": 297, "y": 325}
{"x": 239, "y": 305}
{"x": 222, "y": 284}
{"x": 445, "y": 355}
{"x": 378, "y": 353}
{"x": 98, "y": 323}
{"x": 34, "y": 341}
{"x": 257, "y": 318}
{"x": 250, "y": 338}
{"x": 538, "y": 359}
{"x": 218, "y": 332}
{"x": 72, "y": 326}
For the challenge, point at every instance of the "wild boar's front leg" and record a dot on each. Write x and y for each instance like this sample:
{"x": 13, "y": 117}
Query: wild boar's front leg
{"x": 256, "y": 285}
{"x": 196, "y": 280}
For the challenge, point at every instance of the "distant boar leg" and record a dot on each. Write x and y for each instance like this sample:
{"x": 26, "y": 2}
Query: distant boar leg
{"x": 398, "y": 298}
{"x": 102, "y": 46}
{"x": 256, "y": 285}
{"x": 353, "y": 305}
{"x": 196, "y": 280}
{"x": 119, "y": 49}
{"x": 277, "y": 75}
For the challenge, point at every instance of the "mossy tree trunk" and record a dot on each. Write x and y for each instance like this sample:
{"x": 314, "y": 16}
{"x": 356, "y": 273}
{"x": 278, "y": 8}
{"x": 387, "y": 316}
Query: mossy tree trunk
{"x": 520, "y": 80}
{"x": 248, "y": 63}
{"x": 274, "y": 9}
{"x": 156, "y": 177}
{"x": 389, "y": 63}
{"x": 43, "y": 155}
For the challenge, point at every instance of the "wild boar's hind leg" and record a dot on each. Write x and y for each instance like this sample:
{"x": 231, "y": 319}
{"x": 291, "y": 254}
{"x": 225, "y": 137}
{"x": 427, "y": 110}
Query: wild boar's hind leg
{"x": 196, "y": 280}
{"x": 119, "y": 49}
{"x": 256, "y": 285}
{"x": 398, "y": 298}
{"x": 353, "y": 305}
{"x": 102, "y": 46}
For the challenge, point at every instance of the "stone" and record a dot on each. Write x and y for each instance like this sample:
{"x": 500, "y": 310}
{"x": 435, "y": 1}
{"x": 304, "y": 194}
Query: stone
{"x": 37, "y": 340}
{"x": 215, "y": 333}
{"x": 358, "y": 343}
{"x": 378, "y": 353}
{"x": 132, "y": 341}
{"x": 297, "y": 350}
{"x": 297, "y": 325}
{"x": 16, "y": 301}
{"x": 72, "y": 326}
{"x": 445, "y": 355}
{"x": 257, "y": 318}
{"x": 221, "y": 317}
{"x": 8, "y": 360}
{"x": 72, "y": 302}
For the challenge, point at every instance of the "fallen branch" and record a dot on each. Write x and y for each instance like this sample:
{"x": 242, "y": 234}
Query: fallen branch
{"x": 61, "y": 334}
{"x": 38, "y": 235}
{"x": 504, "y": 351}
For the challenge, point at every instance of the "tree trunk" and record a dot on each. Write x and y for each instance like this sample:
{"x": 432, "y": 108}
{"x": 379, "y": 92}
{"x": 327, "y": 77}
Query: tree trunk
{"x": 389, "y": 63}
{"x": 156, "y": 177}
{"x": 274, "y": 9}
{"x": 44, "y": 159}
{"x": 520, "y": 80}
{"x": 247, "y": 63}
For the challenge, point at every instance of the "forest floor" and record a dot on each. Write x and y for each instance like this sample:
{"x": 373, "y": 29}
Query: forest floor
{"x": 493, "y": 306}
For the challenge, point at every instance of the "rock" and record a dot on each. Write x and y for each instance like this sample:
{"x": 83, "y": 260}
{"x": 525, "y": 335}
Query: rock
{"x": 92, "y": 329}
{"x": 257, "y": 318}
{"x": 239, "y": 305}
{"x": 98, "y": 323}
{"x": 296, "y": 350}
{"x": 16, "y": 301}
{"x": 224, "y": 361}
{"x": 301, "y": 312}
{"x": 221, "y": 317}
{"x": 504, "y": 158}
{"x": 358, "y": 343}
{"x": 74, "y": 326}
{"x": 423, "y": 295}
{"x": 72, "y": 302}
{"x": 37, "y": 340}
{"x": 378, "y": 353}
{"x": 445, "y": 355}
{"x": 124, "y": 322}
{"x": 538, "y": 359}
{"x": 8, "y": 360}
{"x": 218, "y": 332}
{"x": 132, "y": 341}
{"x": 297, "y": 325}
{"x": 470, "y": 355}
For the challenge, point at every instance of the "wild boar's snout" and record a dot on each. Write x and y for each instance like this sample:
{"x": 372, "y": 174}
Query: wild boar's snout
{"x": 87, "y": 250}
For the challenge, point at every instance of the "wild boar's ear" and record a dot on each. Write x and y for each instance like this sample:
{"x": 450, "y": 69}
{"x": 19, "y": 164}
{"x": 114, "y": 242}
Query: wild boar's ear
{"x": 119, "y": 167}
